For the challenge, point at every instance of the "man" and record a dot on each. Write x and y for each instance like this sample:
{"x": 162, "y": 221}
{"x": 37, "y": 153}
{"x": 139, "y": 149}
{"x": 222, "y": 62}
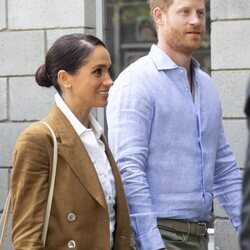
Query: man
{"x": 165, "y": 129}
{"x": 245, "y": 216}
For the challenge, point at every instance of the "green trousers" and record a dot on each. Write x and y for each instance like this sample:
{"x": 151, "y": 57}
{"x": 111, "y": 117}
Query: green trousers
{"x": 179, "y": 241}
{"x": 182, "y": 241}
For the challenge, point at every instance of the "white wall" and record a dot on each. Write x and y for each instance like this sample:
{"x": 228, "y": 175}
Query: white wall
{"x": 230, "y": 36}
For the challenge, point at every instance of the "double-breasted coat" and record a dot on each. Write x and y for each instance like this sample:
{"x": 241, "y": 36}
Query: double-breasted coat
{"x": 79, "y": 216}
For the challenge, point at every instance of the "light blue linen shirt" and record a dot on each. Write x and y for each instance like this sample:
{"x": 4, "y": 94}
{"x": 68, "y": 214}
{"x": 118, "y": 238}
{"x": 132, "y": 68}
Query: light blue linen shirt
{"x": 170, "y": 148}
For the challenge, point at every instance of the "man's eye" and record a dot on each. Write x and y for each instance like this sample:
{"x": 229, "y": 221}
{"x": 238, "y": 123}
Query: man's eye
{"x": 184, "y": 12}
{"x": 201, "y": 13}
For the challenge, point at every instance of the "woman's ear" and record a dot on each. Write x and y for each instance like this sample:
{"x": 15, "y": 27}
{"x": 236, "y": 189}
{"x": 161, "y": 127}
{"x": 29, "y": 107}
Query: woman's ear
{"x": 63, "y": 79}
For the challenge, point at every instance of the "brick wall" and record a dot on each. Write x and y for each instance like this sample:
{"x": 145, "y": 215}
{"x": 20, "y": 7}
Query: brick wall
{"x": 27, "y": 30}
{"x": 230, "y": 36}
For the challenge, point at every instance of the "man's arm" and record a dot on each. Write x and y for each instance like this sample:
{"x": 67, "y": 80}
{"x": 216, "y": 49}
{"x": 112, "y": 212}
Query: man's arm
{"x": 129, "y": 115}
{"x": 228, "y": 180}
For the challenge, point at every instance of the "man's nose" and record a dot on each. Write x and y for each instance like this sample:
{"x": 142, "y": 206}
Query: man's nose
{"x": 195, "y": 18}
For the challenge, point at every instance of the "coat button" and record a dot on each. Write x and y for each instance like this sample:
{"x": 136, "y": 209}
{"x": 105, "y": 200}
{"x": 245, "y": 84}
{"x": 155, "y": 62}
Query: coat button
{"x": 71, "y": 244}
{"x": 71, "y": 217}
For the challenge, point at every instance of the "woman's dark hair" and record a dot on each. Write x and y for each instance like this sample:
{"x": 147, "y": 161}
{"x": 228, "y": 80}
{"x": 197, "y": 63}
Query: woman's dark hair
{"x": 69, "y": 53}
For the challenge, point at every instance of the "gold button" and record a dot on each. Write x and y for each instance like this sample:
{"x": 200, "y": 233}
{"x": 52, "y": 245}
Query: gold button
{"x": 71, "y": 244}
{"x": 71, "y": 217}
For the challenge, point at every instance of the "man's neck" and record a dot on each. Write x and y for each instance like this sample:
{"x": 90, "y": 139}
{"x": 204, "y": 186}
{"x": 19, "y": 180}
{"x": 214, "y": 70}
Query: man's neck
{"x": 181, "y": 59}
{"x": 190, "y": 80}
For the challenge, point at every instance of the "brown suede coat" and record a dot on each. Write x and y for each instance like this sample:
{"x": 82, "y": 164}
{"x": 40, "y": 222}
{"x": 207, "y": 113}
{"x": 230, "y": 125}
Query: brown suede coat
{"x": 77, "y": 191}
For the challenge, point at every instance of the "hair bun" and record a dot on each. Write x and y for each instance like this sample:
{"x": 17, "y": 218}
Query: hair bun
{"x": 42, "y": 77}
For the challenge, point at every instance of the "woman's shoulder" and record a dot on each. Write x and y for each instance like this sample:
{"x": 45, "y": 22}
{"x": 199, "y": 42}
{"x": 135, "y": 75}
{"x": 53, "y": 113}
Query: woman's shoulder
{"x": 35, "y": 134}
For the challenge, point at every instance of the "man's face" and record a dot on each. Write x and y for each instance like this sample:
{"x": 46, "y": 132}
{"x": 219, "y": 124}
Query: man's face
{"x": 184, "y": 25}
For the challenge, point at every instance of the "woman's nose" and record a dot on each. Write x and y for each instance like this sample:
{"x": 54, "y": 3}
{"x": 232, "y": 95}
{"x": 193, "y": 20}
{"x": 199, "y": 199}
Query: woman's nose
{"x": 108, "y": 81}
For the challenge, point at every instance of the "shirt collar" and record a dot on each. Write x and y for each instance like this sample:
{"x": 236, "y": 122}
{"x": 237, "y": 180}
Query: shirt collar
{"x": 163, "y": 62}
{"x": 98, "y": 131}
{"x": 76, "y": 124}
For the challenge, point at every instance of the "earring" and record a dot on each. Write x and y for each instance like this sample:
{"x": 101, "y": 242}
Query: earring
{"x": 67, "y": 85}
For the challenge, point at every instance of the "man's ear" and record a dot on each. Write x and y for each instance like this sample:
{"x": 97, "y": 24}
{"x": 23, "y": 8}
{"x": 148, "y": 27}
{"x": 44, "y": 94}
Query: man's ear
{"x": 158, "y": 16}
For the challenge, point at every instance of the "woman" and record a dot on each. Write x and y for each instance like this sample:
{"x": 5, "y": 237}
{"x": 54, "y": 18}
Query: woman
{"x": 89, "y": 209}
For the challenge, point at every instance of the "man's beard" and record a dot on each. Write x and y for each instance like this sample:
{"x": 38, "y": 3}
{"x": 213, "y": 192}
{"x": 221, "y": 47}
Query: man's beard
{"x": 180, "y": 42}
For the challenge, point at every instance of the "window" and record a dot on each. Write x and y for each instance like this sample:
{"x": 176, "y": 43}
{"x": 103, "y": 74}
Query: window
{"x": 130, "y": 33}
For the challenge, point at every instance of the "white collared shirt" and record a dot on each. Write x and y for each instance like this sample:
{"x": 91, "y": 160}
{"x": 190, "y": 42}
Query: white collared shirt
{"x": 96, "y": 150}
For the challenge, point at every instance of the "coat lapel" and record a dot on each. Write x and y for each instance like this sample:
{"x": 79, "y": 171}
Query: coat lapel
{"x": 122, "y": 231}
{"x": 72, "y": 150}
{"x": 111, "y": 161}
{"x": 120, "y": 196}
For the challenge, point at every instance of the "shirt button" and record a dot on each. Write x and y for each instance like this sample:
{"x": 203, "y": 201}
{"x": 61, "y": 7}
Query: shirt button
{"x": 71, "y": 244}
{"x": 71, "y": 217}
{"x": 186, "y": 89}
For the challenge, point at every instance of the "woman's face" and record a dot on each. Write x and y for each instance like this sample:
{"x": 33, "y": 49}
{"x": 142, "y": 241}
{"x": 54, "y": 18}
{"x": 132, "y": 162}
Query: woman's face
{"x": 91, "y": 83}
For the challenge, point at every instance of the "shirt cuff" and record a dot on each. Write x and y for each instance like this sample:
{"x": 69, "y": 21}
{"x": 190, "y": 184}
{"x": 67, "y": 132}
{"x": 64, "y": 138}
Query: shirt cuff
{"x": 150, "y": 241}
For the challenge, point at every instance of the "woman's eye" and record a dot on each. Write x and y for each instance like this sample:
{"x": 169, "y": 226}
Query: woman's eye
{"x": 98, "y": 72}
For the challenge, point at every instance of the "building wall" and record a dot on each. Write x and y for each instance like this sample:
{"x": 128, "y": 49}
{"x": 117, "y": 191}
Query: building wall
{"x": 230, "y": 36}
{"x": 27, "y": 30}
